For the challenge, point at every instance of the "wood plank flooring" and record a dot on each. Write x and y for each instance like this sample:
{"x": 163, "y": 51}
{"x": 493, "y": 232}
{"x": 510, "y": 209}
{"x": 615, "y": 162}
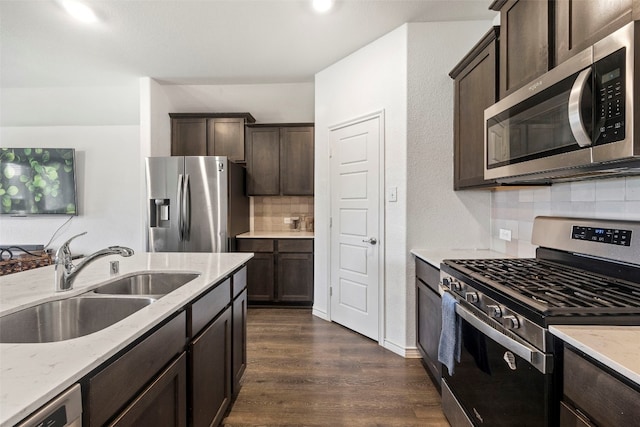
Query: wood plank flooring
{"x": 304, "y": 371}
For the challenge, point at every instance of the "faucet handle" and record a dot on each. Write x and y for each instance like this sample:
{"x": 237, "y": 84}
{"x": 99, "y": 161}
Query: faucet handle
{"x": 64, "y": 250}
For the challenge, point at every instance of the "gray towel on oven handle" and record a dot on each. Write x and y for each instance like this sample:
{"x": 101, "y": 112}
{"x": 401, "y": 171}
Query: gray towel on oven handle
{"x": 449, "y": 346}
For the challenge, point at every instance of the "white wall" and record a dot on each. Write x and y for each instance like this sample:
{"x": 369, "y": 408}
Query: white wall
{"x": 437, "y": 216}
{"x": 403, "y": 73}
{"x": 102, "y": 124}
{"x": 107, "y": 182}
{"x": 370, "y": 80}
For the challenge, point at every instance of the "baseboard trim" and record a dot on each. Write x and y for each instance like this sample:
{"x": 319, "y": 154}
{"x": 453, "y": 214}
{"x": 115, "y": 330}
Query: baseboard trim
{"x": 321, "y": 314}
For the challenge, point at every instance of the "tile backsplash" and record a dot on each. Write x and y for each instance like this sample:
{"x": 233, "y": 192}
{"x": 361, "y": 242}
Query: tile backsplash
{"x": 515, "y": 210}
{"x": 268, "y": 213}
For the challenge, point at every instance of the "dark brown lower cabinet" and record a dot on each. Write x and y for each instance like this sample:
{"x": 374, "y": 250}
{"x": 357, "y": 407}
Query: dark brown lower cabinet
{"x": 163, "y": 403}
{"x": 210, "y": 363}
{"x": 281, "y": 270}
{"x": 156, "y": 383}
{"x": 428, "y": 318}
{"x": 109, "y": 391}
{"x": 239, "y": 354}
{"x": 593, "y": 396}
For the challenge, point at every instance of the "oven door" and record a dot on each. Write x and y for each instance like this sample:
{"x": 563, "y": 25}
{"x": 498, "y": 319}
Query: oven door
{"x": 494, "y": 385}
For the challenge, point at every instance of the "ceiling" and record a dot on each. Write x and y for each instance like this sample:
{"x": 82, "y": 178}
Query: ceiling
{"x": 199, "y": 42}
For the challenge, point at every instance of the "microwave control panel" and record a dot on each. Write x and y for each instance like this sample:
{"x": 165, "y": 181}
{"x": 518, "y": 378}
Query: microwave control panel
{"x": 609, "y": 77}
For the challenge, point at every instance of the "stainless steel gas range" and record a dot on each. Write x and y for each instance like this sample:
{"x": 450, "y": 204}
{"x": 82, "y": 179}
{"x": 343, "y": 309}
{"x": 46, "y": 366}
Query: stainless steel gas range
{"x": 586, "y": 271}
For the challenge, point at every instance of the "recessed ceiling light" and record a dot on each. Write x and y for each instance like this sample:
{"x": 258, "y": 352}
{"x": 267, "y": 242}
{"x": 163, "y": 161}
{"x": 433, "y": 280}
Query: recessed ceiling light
{"x": 79, "y": 10}
{"x": 322, "y": 6}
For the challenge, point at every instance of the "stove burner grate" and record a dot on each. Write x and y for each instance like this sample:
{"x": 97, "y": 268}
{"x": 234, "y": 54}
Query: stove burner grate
{"x": 559, "y": 288}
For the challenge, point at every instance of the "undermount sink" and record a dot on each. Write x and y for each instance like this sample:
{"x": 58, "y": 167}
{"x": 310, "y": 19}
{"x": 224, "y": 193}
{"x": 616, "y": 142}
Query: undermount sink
{"x": 156, "y": 284}
{"x": 67, "y": 318}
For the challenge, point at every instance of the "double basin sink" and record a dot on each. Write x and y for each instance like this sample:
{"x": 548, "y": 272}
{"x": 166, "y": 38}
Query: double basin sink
{"x": 90, "y": 312}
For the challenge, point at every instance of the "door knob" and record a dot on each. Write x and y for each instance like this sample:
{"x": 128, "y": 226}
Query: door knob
{"x": 371, "y": 241}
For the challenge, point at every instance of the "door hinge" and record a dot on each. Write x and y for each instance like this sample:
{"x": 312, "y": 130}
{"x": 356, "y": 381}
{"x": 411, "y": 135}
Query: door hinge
{"x": 330, "y": 222}
{"x": 330, "y": 291}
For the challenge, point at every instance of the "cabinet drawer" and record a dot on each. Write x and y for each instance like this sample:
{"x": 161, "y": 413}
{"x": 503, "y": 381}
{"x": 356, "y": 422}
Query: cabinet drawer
{"x": 295, "y": 245}
{"x": 606, "y": 400}
{"x": 114, "y": 386}
{"x": 428, "y": 274}
{"x": 254, "y": 245}
{"x": 164, "y": 402}
{"x": 209, "y": 306}
{"x": 239, "y": 282}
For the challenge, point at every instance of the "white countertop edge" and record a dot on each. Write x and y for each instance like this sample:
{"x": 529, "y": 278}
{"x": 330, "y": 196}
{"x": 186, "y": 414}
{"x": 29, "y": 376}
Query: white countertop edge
{"x": 617, "y": 347}
{"x": 33, "y": 374}
{"x": 276, "y": 235}
{"x": 437, "y": 255}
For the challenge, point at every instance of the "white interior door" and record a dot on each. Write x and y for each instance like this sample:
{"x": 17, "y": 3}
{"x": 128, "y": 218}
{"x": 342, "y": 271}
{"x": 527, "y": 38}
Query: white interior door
{"x": 355, "y": 226}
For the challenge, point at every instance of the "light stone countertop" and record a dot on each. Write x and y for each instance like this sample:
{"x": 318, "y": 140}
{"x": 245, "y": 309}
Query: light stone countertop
{"x": 276, "y": 235}
{"x": 33, "y": 374}
{"x": 617, "y": 347}
{"x": 436, "y": 256}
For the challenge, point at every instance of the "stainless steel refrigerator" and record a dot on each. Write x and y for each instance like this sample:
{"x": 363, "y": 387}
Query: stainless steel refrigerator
{"x": 194, "y": 204}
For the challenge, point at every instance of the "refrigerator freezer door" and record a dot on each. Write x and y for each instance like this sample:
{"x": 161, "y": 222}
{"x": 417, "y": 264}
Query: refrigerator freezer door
{"x": 163, "y": 204}
{"x": 207, "y": 204}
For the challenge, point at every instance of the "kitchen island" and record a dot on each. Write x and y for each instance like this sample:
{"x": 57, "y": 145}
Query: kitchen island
{"x": 32, "y": 374}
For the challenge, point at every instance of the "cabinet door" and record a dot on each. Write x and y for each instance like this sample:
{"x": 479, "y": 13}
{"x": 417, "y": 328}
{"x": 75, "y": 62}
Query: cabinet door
{"x": 524, "y": 43}
{"x": 475, "y": 90}
{"x": 163, "y": 403}
{"x": 429, "y": 317}
{"x": 239, "y": 340}
{"x": 296, "y": 161}
{"x": 295, "y": 277}
{"x": 226, "y": 138}
{"x": 580, "y": 23}
{"x": 261, "y": 277}
{"x": 263, "y": 161}
{"x": 210, "y": 356}
{"x": 189, "y": 137}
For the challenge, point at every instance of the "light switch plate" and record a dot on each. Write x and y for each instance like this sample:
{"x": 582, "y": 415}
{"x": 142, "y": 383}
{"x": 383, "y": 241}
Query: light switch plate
{"x": 392, "y": 195}
{"x": 287, "y": 220}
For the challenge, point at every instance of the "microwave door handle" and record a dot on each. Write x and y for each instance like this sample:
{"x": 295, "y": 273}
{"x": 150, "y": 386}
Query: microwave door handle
{"x": 575, "y": 117}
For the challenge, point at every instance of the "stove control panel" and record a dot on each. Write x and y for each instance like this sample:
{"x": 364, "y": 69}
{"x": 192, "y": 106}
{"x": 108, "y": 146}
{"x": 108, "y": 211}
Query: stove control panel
{"x": 611, "y": 236}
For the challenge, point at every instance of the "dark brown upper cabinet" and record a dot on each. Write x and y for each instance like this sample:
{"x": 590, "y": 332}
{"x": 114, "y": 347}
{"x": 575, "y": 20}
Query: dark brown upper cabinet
{"x": 280, "y": 159}
{"x": 524, "y": 42}
{"x": 209, "y": 134}
{"x": 475, "y": 88}
{"x": 581, "y": 23}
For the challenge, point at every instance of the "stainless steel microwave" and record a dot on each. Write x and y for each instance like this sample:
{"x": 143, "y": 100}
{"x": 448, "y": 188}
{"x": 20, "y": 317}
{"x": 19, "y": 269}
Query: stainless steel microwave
{"x": 575, "y": 122}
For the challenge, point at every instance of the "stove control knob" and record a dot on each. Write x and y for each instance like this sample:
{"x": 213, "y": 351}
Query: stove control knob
{"x": 511, "y": 322}
{"x": 446, "y": 282}
{"x": 471, "y": 297}
{"x": 457, "y": 286}
{"x": 494, "y": 311}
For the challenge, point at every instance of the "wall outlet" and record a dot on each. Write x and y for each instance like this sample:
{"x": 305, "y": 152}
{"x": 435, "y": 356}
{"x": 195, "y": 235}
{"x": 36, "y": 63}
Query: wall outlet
{"x": 287, "y": 220}
{"x": 505, "y": 234}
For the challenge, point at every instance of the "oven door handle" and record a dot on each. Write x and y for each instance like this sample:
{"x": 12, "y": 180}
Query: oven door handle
{"x": 539, "y": 360}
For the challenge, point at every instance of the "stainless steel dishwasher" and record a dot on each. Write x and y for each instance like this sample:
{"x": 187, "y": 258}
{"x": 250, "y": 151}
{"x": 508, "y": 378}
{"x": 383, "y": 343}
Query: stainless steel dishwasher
{"x": 64, "y": 410}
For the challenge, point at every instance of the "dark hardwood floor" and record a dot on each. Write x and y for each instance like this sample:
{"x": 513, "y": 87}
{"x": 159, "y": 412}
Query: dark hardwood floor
{"x": 304, "y": 371}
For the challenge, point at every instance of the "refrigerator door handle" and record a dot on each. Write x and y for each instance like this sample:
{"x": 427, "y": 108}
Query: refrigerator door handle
{"x": 180, "y": 207}
{"x": 187, "y": 208}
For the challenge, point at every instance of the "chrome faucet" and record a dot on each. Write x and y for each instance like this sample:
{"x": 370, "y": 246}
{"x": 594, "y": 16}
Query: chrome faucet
{"x": 66, "y": 272}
